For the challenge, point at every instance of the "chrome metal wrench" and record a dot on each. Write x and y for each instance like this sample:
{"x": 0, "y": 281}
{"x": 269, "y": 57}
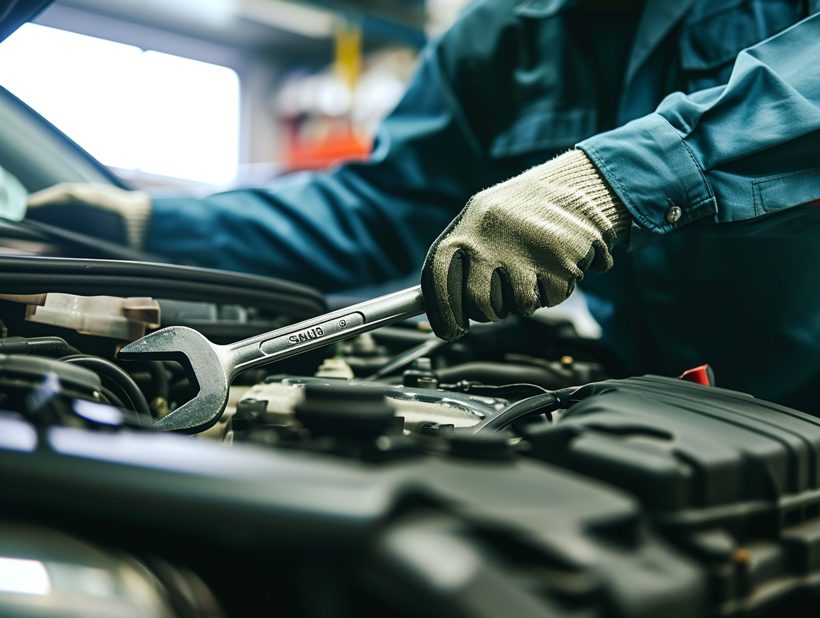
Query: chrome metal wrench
{"x": 213, "y": 367}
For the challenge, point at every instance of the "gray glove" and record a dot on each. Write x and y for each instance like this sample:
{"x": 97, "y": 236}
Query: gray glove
{"x": 99, "y": 210}
{"x": 522, "y": 244}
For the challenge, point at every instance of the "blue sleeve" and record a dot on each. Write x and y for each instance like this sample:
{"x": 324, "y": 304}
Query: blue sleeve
{"x": 362, "y": 223}
{"x": 368, "y": 222}
{"x": 726, "y": 154}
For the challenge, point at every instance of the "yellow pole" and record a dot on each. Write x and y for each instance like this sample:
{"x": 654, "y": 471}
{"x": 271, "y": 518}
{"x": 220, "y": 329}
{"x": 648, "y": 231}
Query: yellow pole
{"x": 348, "y": 52}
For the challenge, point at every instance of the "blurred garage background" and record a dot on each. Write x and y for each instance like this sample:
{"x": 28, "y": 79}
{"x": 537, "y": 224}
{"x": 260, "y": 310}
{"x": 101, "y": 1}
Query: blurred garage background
{"x": 200, "y": 95}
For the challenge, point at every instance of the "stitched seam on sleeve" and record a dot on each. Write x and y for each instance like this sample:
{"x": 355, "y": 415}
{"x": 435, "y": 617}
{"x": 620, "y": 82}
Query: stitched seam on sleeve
{"x": 696, "y": 164}
{"x": 756, "y": 199}
{"x": 761, "y": 181}
{"x": 758, "y": 185}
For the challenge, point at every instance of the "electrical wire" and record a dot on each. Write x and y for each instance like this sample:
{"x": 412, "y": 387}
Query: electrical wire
{"x": 117, "y": 376}
{"x": 407, "y": 357}
{"x": 514, "y": 391}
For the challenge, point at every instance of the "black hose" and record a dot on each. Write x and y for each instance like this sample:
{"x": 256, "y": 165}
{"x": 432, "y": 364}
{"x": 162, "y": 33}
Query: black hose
{"x": 111, "y": 398}
{"x": 490, "y": 372}
{"x": 159, "y": 377}
{"x": 115, "y": 375}
{"x": 37, "y": 346}
{"x": 538, "y": 404}
{"x": 151, "y": 376}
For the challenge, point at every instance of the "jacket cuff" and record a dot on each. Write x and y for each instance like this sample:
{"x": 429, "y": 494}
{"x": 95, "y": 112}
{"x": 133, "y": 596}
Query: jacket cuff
{"x": 573, "y": 170}
{"x": 654, "y": 173}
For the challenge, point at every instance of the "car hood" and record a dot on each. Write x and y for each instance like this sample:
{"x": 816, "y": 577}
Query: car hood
{"x": 14, "y": 13}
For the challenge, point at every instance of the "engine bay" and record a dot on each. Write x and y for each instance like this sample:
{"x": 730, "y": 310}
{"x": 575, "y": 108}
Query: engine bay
{"x": 517, "y": 470}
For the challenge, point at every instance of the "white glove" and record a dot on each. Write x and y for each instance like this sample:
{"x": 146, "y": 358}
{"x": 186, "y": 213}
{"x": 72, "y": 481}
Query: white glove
{"x": 522, "y": 244}
{"x": 100, "y": 210}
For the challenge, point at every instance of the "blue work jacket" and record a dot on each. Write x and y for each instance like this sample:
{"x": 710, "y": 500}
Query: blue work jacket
{"x": 704, "y": 117}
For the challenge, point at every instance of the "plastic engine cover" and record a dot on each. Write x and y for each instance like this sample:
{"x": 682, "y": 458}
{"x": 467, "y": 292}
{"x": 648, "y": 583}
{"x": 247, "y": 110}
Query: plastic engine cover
{"x": 415, "y": 536}
{"x": 731, "y": 479}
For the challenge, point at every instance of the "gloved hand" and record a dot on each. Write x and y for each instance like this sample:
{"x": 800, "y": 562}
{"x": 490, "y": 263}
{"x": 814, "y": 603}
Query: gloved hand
{"x": 99, "y": 210}
{"x": 522, "y": 244}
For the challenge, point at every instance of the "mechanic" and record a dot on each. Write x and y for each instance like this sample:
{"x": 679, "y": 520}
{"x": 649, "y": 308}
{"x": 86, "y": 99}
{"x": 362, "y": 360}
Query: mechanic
{"x": 701, "y": 200}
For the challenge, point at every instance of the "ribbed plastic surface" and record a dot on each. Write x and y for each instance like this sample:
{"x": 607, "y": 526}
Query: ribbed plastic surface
{"x": 731, "y": 479}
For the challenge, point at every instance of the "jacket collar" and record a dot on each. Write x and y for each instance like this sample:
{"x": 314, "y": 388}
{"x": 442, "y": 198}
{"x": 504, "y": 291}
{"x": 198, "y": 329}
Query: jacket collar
{"x": 658, "y": 19}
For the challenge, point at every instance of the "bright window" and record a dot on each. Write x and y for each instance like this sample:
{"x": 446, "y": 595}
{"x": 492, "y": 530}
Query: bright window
{"x": 132, "y": 109}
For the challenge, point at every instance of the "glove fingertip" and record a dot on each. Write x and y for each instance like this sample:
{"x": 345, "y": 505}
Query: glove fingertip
{"x": 447, "y": 319}
{"x": 502, "y": 296}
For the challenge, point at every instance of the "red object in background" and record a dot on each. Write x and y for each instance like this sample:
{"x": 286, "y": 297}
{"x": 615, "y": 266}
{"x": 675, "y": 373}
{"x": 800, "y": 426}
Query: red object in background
{"x": 702, "y": 374}
{"x": 340, "y": 144}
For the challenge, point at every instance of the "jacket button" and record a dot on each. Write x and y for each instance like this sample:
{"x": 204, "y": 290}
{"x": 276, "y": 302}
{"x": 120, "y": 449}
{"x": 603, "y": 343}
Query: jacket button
{"x": 674, "y": 214}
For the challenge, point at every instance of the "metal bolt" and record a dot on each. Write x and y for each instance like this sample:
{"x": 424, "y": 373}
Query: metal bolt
{"x": 741, "y": 556}
{"x": 427, "y": 382}
{"x": 160, "y": 407}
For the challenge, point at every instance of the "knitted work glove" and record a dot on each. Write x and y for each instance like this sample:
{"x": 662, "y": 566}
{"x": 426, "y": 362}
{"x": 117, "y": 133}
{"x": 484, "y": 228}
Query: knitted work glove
{"x": 102, "y": 211}
{"x": 522, "y": 244}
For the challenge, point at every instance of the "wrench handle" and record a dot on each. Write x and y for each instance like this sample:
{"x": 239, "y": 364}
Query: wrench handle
{"x": 325, "y": 329}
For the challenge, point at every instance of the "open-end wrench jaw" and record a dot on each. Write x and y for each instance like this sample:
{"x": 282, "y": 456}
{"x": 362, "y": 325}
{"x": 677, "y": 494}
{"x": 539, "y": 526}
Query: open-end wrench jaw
{"x": 203, "y": 366}
{"x": 212, "y": 367}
